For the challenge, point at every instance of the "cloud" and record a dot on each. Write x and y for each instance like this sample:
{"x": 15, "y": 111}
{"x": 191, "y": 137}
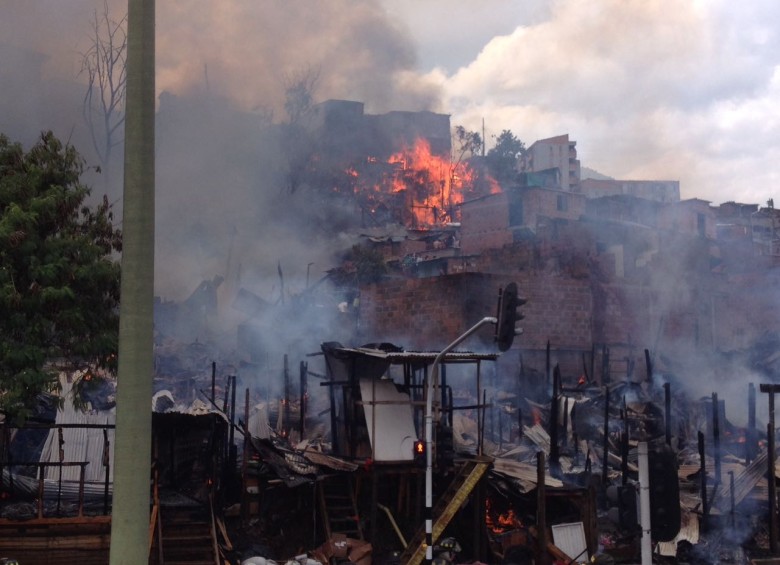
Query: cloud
{"x": 648, "y": 89}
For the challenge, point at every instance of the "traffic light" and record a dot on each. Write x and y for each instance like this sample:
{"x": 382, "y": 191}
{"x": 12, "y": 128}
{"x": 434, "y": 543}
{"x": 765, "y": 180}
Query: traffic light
{"x": 419, "y": 453}
{"x": 445, "y": 449}
{"x": 624, "y": 511}
{"x": 664, "y": 493}
{"x": 507, "y": 315}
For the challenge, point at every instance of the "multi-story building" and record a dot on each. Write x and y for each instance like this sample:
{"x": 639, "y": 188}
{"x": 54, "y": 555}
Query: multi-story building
{"x": 657, "y": 190}
{"x": 554, "y": 153}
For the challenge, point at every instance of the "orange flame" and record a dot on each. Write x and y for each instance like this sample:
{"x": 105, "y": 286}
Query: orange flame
{"x": 502, "y": 522}
{"x": 430, "y": 187}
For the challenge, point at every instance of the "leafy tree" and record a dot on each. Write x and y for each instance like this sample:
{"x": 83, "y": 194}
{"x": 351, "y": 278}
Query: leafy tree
{"x": 467, "y": 143}
{"x": 502, "y": 158}
{"x": 59, "y": 282}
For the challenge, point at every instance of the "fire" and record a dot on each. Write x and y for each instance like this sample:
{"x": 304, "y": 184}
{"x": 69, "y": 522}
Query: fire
{"x": 427, "y": 188}
{"x": 502, "y": 522}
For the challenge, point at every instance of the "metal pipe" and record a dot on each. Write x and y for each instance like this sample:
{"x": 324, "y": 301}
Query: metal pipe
{"x": 605, "y": 461}
{"x": 668, "y": 412}
{"x": 401, "y": 537}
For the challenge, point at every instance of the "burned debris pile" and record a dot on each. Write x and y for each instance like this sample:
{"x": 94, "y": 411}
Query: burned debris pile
{"x": 563, "y": 471}
{"x": 543, "y": 467}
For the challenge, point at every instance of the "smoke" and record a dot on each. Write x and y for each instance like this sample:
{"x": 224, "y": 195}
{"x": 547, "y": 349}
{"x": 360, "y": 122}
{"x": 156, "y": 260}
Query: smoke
{"x": 243, "y": 50}
{"x": 218, "y": 161}
{"x": 222, "y": 208}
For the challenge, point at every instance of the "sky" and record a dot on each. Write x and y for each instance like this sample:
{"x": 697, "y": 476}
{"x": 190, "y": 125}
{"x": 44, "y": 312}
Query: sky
{"x": 649, "y": 89}
{"x": 682, "y": 90}
{"x": 675, "y": 90}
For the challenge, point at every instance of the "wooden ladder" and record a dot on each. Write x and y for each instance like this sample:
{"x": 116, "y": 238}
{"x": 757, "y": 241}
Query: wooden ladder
{"x": 338, "y": 506}
{"x": 469, "y": 474}
{"x": 187, "y": 537}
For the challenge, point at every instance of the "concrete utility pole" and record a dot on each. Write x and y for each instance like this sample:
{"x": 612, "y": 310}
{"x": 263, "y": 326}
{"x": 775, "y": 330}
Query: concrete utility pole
{"x": 132, "y": 453}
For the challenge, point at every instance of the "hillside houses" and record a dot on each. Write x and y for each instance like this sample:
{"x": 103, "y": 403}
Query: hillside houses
{"x": 605, "y": 264}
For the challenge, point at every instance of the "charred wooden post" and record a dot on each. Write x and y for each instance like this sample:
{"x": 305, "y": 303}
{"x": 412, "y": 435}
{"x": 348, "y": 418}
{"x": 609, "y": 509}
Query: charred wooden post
{"x": 772, "y": 488}
{"x": 565, "y": 440}
{"x": 585, "y": 373}
{"x": 500, "y": 427}
{"x": 286, "y": 400}
{"x": 576, "y": 455}
{"x": 245, "y": 461}
{"x": 61, "y": 457}
{"x": 605, "y": 365}
{"x": 703, "y": 478}
{"x": 750, "y": 440}
{"x": 481, "y": 430}
{"x": 593, "y": 360}
{"x": 227, "y": 397}
{"x": 107, "y": 467}
{"x": 547, "y": 366}
{"x": 648, "y": 365}
{"x": 232, "y": 445}
{"x": 732, "y": 499}
{"x": 554, "y": 405}
{"x": 450, "y": 411}
{"x": 716, "y": 435}
{"x": 304, "y": 373}
{"x": 213, "y": 382}
{"x": 374, "y": 504}
{"x": 478, "y": 517}
{"x": 771, "y": 389}
{"x": 443, "y": 386}
{"x": 605, "y": 462}
{"x": 624, "y": 443}
{"x": 668, "y": 412}
{"x": 541, "y": 512}
{"x": 493, "y": 419}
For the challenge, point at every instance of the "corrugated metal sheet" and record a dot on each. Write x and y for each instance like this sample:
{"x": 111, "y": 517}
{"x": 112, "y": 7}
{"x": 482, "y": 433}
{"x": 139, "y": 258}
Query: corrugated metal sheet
{"x": 79, "y": 444}
{"x": 570, "y": 538}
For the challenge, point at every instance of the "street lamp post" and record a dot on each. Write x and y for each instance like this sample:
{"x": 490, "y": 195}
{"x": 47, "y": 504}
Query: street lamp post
{"x": 429, "y": 434}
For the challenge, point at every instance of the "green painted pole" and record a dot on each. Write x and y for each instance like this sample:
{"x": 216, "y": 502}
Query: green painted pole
{"x": 133, "y": 443}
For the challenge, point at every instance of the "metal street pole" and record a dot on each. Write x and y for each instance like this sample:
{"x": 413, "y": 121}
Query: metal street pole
{"x": 429, "y": 434}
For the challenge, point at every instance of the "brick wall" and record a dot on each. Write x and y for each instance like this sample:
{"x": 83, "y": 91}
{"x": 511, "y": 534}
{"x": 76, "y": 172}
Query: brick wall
{"x": 484, "y": 224}
{"x": 578, "y": 308}
{"x": 429, "y": 313}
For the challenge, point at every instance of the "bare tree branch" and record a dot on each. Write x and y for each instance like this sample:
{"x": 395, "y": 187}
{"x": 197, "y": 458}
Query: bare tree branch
{"x": 104, "y": 65}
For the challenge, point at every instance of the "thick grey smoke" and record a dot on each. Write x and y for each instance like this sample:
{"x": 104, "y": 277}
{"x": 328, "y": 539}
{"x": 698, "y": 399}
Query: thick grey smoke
{"x": 223, "y": 209}
{"x": 217, "y": 168}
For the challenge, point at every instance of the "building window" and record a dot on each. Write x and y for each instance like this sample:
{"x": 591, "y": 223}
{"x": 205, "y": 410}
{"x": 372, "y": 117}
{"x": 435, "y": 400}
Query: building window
{"x": 563, "y": 204}
{"x": 701, "y": 224}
